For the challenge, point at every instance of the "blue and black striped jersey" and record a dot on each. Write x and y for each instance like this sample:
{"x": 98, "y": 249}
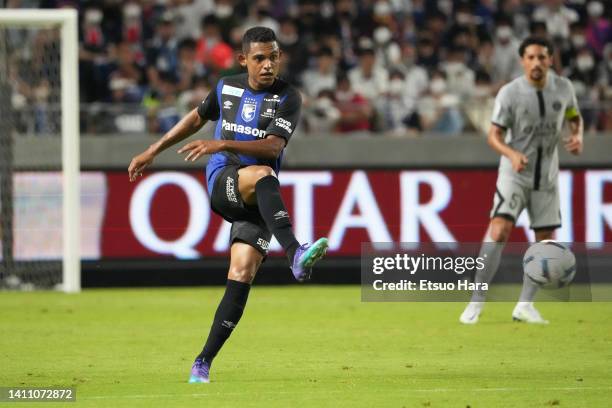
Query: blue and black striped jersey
{"x": 243, "y": 113}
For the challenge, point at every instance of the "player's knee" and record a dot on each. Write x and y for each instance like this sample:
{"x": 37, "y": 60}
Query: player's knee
{"x": 259, "y": 172}
{"x": 500, "y": 231}
{"x": 242, "y": 273}
{"x": 248, "y": 178}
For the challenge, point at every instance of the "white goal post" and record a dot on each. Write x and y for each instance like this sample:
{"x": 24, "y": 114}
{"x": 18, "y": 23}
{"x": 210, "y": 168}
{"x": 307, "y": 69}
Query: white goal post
{"x": 67, "y": 20}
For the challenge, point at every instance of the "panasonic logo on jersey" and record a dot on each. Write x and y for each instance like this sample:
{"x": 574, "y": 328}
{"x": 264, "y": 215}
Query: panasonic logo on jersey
{"x": 246, "y": 130}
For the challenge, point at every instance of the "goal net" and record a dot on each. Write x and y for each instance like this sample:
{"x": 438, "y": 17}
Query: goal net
{"x": 39, "y": 187}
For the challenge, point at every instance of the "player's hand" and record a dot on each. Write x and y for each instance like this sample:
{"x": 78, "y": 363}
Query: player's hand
{"x": 574, "y": 144}
{"x": 519, "y": 161}
{"x": 139, "y": 163}
{"x": 198, "y": 148}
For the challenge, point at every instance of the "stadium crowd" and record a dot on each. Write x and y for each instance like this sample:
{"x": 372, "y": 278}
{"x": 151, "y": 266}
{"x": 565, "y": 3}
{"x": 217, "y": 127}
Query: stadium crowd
{"x": 399, "y": 67}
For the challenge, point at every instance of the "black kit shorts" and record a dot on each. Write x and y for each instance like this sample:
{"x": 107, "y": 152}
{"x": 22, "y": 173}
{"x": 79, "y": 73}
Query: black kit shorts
{"x": 247, "y": 224}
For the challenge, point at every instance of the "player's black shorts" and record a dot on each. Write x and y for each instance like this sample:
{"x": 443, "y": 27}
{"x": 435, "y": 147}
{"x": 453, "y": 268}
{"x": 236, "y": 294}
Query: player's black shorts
{"x": 247, "y": 224}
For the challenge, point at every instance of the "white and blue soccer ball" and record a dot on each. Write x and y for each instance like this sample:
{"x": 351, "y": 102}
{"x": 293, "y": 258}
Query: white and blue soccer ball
{"x": 550, "y": 264}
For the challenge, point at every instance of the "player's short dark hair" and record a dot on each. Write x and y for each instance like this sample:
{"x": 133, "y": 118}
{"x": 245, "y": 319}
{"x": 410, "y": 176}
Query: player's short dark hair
{"x": 257, "y": 34}
{"x": 542, "y": 42}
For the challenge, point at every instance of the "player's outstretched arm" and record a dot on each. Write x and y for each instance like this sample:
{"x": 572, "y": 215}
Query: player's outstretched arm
{"x": 496, "y": 141}
{"x": 574, "y": 143}
{"x": 191, "y": 123}
{"x": 268, "y": 148}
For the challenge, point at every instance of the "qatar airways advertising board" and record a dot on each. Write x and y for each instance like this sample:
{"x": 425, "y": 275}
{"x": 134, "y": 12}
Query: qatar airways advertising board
{"x": 166, "y": 214}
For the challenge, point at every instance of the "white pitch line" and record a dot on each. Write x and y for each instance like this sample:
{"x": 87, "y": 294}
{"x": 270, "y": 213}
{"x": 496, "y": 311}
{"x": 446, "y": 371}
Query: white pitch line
{"x": 418, "y": 390}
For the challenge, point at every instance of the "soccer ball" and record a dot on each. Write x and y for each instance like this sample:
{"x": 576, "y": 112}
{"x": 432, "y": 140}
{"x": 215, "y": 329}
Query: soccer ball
{"x": 549, "y": 264}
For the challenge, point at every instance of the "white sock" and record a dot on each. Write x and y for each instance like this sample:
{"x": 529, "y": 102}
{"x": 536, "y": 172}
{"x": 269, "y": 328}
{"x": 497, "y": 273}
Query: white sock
{"x": 491, "y": 252}
{"x": 529, "y": 290}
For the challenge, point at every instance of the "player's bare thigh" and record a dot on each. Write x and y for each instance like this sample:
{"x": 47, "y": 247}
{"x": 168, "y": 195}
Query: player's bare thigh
{"x": 544, "y": 233}
{"x": 244, "y": 262}
{"x": 248, "y": 177}
{"x": 500, "y": 229}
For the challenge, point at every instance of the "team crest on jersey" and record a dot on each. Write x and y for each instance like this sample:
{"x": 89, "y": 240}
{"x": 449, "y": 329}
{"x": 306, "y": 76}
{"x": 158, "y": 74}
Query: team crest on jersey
{"x": 557, "y": 106}
{"x": 248, "y": 110}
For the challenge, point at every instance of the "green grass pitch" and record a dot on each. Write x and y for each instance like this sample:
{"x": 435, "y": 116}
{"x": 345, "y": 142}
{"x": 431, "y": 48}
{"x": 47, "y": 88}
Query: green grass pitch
{"x": 303, "y": 346}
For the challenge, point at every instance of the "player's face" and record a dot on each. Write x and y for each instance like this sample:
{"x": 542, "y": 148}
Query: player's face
{"x": 536, "y": 62}
{"x": 262, "y": 62}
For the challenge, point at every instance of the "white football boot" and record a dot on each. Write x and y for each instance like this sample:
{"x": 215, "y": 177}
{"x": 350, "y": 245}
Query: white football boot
{"x": 471, "y": 313}
{"x": 526, "y": 312}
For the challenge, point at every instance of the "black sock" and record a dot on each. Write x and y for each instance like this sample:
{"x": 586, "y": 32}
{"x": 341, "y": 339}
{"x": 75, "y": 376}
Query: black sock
{"x": 226, "y": 318}
{"x": 274, "y": 213}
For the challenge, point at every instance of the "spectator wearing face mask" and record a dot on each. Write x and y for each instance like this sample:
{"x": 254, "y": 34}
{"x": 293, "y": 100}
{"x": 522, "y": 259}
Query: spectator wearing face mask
{"x": 211, "y": 51}
{"x": 383, "y": 30}
{"x": 599, "y": 28}
{"x": 577, "y": 41}
{"x": 484, "y": 57}
{"x": 368, "y": 78}
{"x": 259, "y": 15}
{"x": 605, "y": 87}
{"x": 92, "y": 56}
{"x": 516, "y": 13}
{"x": 396, "y": 105}
{"x": 132, "y": 30}
{"x": 294, "y": 58}
{"x": 416, "y": 80}
{"x": 126, "y": 66}
{"x": 459, "y": 77}
{"x": 355, "y": 110}
{"x": 228, "y": 20}
{"x": 505, "y": 62}
{"x": 479, "y": 107}
{"x": 162, "y": 56}
{"x": 438, "y": 111}
{"x": 387, "y": 50}
{"x": 485, "y": 12}
{"x": 323, "y": 76}
{"x": 321, "y": 114}
{"x": 189, "y": 68}
{"x": 189, "y": 14}
{"x": 345, "y": 14}
{"x": 427, "y": 55}
{"x": 436, "y": 25}
{"x": 584, "y": 68}
{"x": 93, "y": 37}
{"x": 604, "y": 77}
{"x": 466, "y": 40}
{"x": 465, "y": 26}
{"x": 557, "y": 17}
{"x": 584, "y": 75}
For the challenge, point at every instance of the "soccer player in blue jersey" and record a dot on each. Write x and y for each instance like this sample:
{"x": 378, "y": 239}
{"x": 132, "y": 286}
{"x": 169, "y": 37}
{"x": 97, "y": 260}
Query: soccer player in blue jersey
{"x": 256, "y": 114}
